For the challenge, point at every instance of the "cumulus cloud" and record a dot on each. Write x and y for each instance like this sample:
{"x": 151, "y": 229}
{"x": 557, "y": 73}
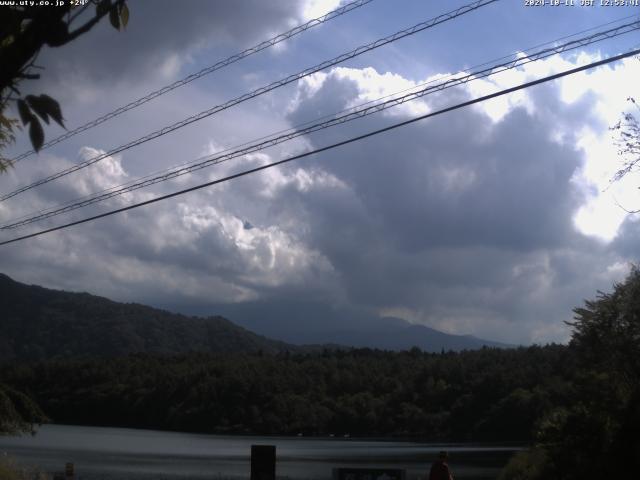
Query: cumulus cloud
{"x": 201, "y": 247}
{"x": 464, "y": 222}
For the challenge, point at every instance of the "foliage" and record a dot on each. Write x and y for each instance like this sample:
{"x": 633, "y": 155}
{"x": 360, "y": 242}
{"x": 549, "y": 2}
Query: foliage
{"x": 24, "y": 30}
{"x": 593, "y": 432}
{"x": 44, "y": 107}
{"x": 257, "y": 385}
{"x": 607, "y": 332}
{"x": 628, "y": 141}
{"x": 7, "y": 137}
{"x": 18, "y": 413}
{"x": 39, "y": 323}
{"x": 451, "y": 396}
{"x": 532, "y": 464}
{"x": 10, "y": 470}
{"x": 579, "y": 404}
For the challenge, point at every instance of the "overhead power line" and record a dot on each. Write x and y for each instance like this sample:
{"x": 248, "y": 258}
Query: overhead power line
{"x": 260, "y": 91}
{"x": 514, "y": 60}
{"x": 205, "y": 71}
{"x": 334, "y": 145}
{"x": 258, "y": 145}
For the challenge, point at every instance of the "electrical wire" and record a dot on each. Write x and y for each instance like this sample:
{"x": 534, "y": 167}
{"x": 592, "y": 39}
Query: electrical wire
{"x": 194, "y": 76}
{"x": 332, "y": 146}
{"x": 260, "y": 91}
{"x": 338, "y": 119}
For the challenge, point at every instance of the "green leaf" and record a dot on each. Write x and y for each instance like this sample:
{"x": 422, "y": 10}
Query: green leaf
{"x": 36, "y": 134}
{"x": 124, "y": 15}
{"x": 7, "y": 123}
{"x": 8, "y": 40}
{"x": 103, "y": 7}
{"x": 114, "y": 18}
{"x": 5, "y": 164}
{"x": 25, "y": 114}
{"x": 47, "y": 106}
{"x": 38, "y": 107}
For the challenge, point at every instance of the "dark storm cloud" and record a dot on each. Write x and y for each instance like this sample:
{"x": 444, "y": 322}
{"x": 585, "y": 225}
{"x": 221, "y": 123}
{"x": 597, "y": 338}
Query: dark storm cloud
{"x": 443, "y": 183}
{"x": 627, "y": 243}
{"x": 162, "y": 28}
{"x": 458, "y": 214}
{"x": 457, "y": 222}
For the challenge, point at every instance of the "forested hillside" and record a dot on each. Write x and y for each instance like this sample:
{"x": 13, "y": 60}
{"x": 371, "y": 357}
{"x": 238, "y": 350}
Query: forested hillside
{"x": 39, "y": 323}
{"x": 578, "y": 405}
{"x": 489, "y": 394}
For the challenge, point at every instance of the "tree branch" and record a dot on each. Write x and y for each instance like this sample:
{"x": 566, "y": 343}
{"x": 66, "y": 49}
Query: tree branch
{"x": 90, "y": 24}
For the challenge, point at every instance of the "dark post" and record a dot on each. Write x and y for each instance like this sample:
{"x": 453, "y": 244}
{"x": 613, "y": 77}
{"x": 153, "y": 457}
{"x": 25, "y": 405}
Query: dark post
{"x": 263, "y": 462}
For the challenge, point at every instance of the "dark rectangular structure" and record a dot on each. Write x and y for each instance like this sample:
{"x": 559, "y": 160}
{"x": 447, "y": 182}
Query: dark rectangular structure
{"x": 263, "y": 462}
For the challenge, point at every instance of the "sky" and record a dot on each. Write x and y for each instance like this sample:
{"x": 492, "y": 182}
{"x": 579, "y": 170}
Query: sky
{"x": 494, "y": 220}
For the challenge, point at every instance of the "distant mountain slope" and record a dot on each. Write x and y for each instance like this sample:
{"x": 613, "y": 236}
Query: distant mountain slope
{"x": 38, "y": 323}
{"x": 305, "y": 323}
{"x": 401, "y": 335}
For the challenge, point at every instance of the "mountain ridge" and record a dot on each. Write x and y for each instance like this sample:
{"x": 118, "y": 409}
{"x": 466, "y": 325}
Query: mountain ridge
{"x": 41, "y": 323}
{"x": 306, "y": 322}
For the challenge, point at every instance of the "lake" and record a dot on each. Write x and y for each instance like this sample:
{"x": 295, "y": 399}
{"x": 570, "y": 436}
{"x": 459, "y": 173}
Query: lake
{"x": 119, "y": 453}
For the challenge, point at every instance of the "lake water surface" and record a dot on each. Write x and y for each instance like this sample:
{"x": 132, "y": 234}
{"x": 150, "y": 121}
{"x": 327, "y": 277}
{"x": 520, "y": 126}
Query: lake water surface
{"x": 118, "y": 454}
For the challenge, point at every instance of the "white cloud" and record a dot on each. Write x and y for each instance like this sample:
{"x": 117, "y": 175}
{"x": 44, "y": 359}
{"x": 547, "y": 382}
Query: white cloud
{"x": 600, "y": 216}
{"x": 317, "y": 8}
{"x": 464, "y": 222}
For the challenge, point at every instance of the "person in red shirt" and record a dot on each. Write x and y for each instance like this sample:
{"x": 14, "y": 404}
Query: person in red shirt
{"x": 440, "y": 468}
